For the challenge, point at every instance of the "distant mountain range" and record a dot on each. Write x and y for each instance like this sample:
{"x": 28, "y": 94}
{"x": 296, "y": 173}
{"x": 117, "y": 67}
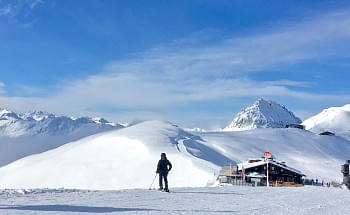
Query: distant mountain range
{"x": 263, "y": 114}
{"x": 41, "y": 123}
{"x": 35, "y": 132}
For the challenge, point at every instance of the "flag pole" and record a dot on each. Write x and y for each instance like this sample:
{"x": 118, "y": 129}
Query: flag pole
{"x": 267, "y": 168}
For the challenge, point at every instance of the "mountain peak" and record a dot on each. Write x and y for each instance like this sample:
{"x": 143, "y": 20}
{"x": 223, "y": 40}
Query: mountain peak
{"x": 37, "y": 115}
{"x": 263, "y": 103}
{"x": 4, "y": 111}
{"x": 334, "y": 119}
{"x": 263, "y": 114}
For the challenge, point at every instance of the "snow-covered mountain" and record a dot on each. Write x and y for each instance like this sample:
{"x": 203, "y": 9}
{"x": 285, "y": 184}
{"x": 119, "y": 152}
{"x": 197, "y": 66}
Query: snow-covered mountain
{"x": 334, "y": 119}
{"x": 40, "y": 123}
{"x": 127, "y": 158}
{"x": 36, "y": 132}
{"x": 263, "y": 114}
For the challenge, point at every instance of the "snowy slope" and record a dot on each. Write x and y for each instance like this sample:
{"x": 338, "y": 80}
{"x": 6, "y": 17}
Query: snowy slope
{"x": 120, "y": 159}
{"x": 36, "y": 132}
{"x": 127, "y": 158}
{"x": 334, "y": 119}
{"x": 197, "y": 201}
{"x": 263, "y": 114}
{"x": 316, "y": 156}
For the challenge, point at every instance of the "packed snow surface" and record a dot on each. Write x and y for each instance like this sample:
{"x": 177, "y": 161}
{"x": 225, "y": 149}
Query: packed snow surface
{"x": 216, "y": 200}
{"x": 127, "y": 158}
{"x": 334, "y": 119}
{"x": 263, "y": 114}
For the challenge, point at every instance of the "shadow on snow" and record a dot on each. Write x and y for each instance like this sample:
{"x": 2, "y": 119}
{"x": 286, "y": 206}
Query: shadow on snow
{"x": 90, "y": 209}
{"x": 72, "y": 208}
{"x": 206, "y": 192}
{"x": 196, "y": 148}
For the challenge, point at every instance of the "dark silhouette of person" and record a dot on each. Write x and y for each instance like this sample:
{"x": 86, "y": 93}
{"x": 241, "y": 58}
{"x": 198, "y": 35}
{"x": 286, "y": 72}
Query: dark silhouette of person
{"x": 163, "y": 168}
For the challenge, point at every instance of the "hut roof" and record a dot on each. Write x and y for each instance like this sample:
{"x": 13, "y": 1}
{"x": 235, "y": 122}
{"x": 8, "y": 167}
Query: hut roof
{"x": 261, "y": 162}
{"x": 327, "y": 133}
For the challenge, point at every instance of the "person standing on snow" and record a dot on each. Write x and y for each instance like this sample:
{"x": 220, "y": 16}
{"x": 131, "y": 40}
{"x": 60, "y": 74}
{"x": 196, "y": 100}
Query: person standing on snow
{"x": 163, "y": 167}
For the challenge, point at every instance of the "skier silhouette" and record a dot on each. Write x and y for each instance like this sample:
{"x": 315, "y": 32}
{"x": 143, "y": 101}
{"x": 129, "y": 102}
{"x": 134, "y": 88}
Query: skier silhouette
{"x": 163, "y": 167}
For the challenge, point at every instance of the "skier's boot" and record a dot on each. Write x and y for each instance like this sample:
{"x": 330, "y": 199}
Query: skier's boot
{"x": 166, "y": 190}
{"x": 160, "y": 189}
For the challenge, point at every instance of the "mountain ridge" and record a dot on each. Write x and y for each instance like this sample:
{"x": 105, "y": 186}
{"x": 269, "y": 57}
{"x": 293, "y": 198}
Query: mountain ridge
{"x": 41, "y": 123}
{"x": 333, "y": 119}
{"x": 35, "y": 132}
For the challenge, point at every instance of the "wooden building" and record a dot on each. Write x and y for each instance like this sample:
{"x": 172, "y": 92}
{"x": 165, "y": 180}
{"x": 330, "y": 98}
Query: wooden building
{"x": 302, "y": 127}
{"x": 254, "y": 172}
{"x": 327, "y": 133}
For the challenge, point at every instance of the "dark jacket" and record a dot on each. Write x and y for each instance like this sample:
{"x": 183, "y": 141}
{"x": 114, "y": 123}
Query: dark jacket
{"x": 164, "y": 166}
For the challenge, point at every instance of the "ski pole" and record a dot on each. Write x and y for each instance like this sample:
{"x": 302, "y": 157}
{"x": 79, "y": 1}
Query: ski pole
{"x": 150, "y": 187}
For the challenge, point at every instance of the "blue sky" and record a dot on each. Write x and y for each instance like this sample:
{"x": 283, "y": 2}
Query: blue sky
{"x": 195, "y": 63}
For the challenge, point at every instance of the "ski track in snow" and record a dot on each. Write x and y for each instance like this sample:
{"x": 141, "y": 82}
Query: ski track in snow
{"x": 216, "y": 200}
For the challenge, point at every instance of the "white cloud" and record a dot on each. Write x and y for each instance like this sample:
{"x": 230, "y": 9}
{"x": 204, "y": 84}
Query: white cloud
{"x": 34, "y": 3}
{"x": 2, "y": 90}
{"x": 2, "y": 86}
{"x": 130, "y": 91}
{"x": 6, "y": 10}
{"x": 289, "y": 83}
{"x": 16, "y": 7}
{"x": 320, "y": 38}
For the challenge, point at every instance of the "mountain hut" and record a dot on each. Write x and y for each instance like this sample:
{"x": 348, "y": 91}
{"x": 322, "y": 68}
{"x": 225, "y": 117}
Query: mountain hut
{"x": 327, "y": 133}
{"x": 253, "y": 172}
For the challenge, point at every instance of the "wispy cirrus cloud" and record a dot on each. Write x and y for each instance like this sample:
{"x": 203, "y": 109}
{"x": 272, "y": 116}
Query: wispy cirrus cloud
{"x": 320, "y": 38}
{"x": 183, "y": 73}
{"x": 289, "y": 83}
{"x": 5, "y": 10}
{"x": 14, "y": 8}
{"x": 2, "y": 86}
{"x": 33, "y": 3}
